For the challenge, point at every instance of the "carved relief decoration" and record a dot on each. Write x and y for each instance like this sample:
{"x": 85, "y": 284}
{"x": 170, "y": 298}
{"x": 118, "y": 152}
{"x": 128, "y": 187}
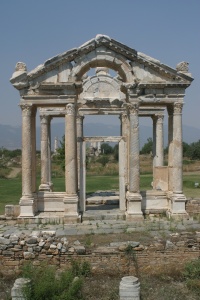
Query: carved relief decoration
{"x": 20, "y": 66}
{"x": 182, "y": 67}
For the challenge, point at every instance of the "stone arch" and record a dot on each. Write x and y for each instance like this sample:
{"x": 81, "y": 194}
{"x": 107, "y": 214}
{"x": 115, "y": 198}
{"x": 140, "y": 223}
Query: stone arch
{"x": 103, "y": 57}
{"x": 102, "y": 85}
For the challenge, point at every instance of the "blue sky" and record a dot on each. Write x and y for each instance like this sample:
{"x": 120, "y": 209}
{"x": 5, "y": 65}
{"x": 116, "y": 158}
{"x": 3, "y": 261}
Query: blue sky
{"x": 33, "y": 31}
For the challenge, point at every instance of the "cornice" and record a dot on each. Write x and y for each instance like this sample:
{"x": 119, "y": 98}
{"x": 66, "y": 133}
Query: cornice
{"x": 22, "y": 80}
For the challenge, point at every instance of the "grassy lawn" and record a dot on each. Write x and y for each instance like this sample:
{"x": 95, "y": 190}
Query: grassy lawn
{"x": 10, "y": 192}
{"x": 188, "y": 186}
{"x": 10, "y": 189}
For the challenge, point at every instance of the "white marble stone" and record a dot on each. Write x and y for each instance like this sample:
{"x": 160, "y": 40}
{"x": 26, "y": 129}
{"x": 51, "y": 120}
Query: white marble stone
{"x": 62, "y": 87}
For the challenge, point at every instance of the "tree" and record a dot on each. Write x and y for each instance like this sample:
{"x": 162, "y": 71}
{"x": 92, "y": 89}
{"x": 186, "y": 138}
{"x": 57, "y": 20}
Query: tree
{"x": 116, "y": 152}
{"x": 148, "y": 147}
{"x": 186, "y": 149}
{"x": 194, "y": 151}
{"x": 61, "y": 153}
{"x": 103, "y": 159}
{"x": 106, "y": 148}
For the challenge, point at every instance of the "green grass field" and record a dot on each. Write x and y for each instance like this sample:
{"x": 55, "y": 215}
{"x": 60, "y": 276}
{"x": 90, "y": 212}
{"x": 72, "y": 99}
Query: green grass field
{"x": 10, "y": 189}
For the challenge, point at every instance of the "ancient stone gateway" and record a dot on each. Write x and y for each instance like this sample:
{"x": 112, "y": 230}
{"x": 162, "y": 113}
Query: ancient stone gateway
{"x": 61, "y": 87}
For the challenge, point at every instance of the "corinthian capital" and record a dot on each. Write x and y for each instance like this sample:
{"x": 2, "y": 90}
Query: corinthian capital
{"x": 44, "y": 119}
{"x": 26, "y": 109}
{"x": 160, "y": 118}
{"x": 178, "y": 107}
{"x": 70, "y": 109}
{"x": 133, "y": 108}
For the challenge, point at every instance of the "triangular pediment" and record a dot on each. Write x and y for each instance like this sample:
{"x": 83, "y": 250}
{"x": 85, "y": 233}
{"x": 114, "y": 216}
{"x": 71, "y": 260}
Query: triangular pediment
{"x": 97, "y": 52}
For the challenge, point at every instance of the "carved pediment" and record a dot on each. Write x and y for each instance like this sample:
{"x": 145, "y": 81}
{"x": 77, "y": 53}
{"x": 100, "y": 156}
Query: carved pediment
{"x": 101, "y": 51}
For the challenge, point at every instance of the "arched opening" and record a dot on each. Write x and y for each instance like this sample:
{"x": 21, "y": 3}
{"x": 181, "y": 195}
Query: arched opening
{"x": 102, "y": 165}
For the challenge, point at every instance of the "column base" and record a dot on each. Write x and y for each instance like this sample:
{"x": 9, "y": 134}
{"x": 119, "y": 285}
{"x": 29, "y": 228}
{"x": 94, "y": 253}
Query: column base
{"x": 27, "y": 206}
{"x": 46, "y": 187}
{"x": 177, "y": 206}
{"x": 71, "y": 214}
{"x": 134, "y": 204}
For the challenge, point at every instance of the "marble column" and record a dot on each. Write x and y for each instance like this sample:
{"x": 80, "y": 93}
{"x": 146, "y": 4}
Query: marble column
{"x": 154, "y": 118}
{"x": 134, "y": 197}
{"x": 71, "y": 198}
{"x": 83, "y": 177}
{"x": 177, "y": 149}
{"x": 123, "y": 163}
{"x": 27, "y": 208}
{"x": 79, "y": 124}
{"x": 159, "y": 141}
{"x": 49, "y": 155}
{"x": 178, "y": 198}
{"x": 45, "y": 159}
{"x": 170, "y": 110}
{"x": 33, "y": 142}
{"x": 158, "y": 150}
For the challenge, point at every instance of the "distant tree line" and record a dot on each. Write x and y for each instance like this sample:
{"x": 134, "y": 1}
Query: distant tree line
{"x": 191, "y": 151}
{"x": 9, "y": 153}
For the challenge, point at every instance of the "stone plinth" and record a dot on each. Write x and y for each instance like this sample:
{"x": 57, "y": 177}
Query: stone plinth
{"x": 17, "y": 292}
{"x": 129, "y": 288}
{"x": 134, "y": 211}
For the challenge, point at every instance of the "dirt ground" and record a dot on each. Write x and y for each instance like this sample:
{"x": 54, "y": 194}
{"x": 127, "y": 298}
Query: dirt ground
{"x": 164, "y": 286}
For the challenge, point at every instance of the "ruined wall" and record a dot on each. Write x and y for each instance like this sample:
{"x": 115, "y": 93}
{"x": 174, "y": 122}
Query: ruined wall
{"x": 121, "y": 257}
{"x": 193, "y": 207}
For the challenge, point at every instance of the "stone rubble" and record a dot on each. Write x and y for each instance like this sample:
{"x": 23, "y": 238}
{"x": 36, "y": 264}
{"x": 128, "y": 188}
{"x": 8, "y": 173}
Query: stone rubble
{"x": 25, "y": 242}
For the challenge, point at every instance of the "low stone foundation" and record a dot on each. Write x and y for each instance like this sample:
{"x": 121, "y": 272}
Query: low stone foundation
{"x": 193, "y": 206}
{"x": 12, "y": 211}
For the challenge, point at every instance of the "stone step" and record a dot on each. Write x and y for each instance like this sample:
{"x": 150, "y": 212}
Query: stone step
{"x": 93, "y": 215}
{"x": 103, "y": 200}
